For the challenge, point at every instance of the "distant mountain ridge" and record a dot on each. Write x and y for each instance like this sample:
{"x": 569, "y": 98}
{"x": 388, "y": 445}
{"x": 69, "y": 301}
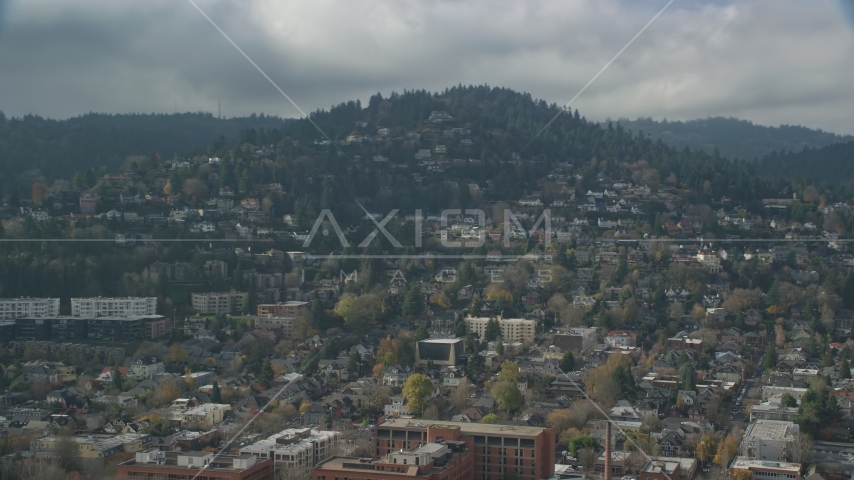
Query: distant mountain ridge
{"x": 734, "y": 138}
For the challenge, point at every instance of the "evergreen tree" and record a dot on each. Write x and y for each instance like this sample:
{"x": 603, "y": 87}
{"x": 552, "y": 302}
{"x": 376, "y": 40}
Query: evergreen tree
{"x": 118, "y": 382}
{"x": 687, "y": 377}
{"x": 216, "y": 396}
{"x": 353, "y": 363}
{"x": 770, "y": 361}
{"x": 493, "y": 329}
{"x": 421, "y": 333}
{"x": 237, "y": 278}
{"x": 256, "y": 360}
{"x": 844, "y": 369}
{"x": 413, "y": 303}
{"x": 567, "y": 363}
{"x": 317, "y": 313}
{"x": 773, "y": 295}
{"x": 460, "y": 329}
{"x": 474, "y": 308}
{"x": 250, "y": 298}
{"x": 499, "y": 346}
{"x": 265, "y": 377}
{"x": 848, "y": 292}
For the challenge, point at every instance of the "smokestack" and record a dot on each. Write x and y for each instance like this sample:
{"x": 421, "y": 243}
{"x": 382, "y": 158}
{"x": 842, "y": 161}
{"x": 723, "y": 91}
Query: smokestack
{"x": 607, "y": 474}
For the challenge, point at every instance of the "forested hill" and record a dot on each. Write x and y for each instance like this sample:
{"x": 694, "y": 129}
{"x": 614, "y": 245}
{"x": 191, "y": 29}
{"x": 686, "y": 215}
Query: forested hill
{"x": 734, "y": 138}
{"x": 492, "y": 147}
{"x": 58, "y": 148}
{"x": 833, "y": 163}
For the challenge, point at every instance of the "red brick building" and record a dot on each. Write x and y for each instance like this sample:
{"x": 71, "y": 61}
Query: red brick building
{"x": 184, "y": 466}
{"x": 497, "y": 450}
{"x": 660, "y": 470}
{"x": 685, "y": 343}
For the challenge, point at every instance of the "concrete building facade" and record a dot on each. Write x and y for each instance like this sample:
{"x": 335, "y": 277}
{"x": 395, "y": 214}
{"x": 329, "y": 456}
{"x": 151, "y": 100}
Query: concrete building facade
{"x": 12, "y": 308}
{"x": 295, "y": 448}
{"x": 113, "y": 307}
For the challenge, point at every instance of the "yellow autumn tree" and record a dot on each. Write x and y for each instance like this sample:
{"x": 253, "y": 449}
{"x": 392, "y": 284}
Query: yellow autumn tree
{"x": 742, "y": 474}
{"x": 509, "y": 371}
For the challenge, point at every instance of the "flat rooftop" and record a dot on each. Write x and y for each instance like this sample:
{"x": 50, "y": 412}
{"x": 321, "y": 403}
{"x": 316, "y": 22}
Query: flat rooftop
{"x": 223, "y": 463}
{"x": 770, "y": 429}
{"x": 747, "y": 464}
{"x": 465, "y": 428}
{"x": 441, "y": 340}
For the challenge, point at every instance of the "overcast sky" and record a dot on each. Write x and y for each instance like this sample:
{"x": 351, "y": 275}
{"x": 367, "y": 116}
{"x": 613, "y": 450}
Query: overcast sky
{"x": 770, "y": 61}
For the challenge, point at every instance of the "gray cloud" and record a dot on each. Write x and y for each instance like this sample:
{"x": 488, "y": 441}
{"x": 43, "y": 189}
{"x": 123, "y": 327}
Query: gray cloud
{"x": 771, "y": 61}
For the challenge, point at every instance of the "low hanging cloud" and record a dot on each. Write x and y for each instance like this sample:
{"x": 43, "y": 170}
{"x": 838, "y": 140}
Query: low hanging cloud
{"x": 770, "y": 61}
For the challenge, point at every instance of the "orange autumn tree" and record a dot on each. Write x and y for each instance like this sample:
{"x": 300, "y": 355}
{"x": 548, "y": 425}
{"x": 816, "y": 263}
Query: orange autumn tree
{"x": 387, "y": 352}
{"x": 40, "y": 192}
{"x": 379, "y": 371}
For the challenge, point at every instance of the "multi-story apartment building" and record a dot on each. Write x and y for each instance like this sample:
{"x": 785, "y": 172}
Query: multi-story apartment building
{"x": 187, "y": 465}
{"x": 12, "y": 308}
{"x": 156, "y": 327}
{"x": 498, "y": 450}
{"x": 113, "y": 307}
{"x": 513, "y": 330}
{"x": 767, "y": 439}
{"x": 224, "y": 302}
{"x": 577, "y": 340}
{"x": 286, "y": 324}
{"x": 115, "y": 329}
{"x": 147, "y": 367}
{"x": 296, "y": 448}
{"x": 286, "y": 309}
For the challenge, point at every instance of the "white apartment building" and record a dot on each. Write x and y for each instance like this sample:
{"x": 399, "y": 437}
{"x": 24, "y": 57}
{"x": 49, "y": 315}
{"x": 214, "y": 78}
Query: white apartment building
{"x": 620, "y": 338}
{"x": 285, "y": 323}
{"x": 513, "y": 330}
{"x": 225, "y": 302}
{"x": 767, "y": 439}
{"x": 113, "y": 307}
{"x": 12, "y": 308}
{"x": 297, "y": 448}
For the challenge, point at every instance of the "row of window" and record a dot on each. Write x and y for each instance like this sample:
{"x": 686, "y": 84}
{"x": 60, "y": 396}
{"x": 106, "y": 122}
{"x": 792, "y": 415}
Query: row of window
{"x": 774, "y": 475}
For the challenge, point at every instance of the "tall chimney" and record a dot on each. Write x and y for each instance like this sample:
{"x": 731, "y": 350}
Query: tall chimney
{"x": 607, "y": 474}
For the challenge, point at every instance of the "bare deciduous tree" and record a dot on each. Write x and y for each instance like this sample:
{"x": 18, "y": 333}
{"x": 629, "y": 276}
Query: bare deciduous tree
{"x": 461, "y": 394}
{"x": 799, "y": 449}
{"x": 587, "y": 459}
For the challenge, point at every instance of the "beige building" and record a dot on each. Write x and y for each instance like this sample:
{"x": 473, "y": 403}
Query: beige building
{"x": 286, "y": 309}
{"x": 93, "y": 446}
{"x": 287, "y": 324}
{"x": 204, "y": 416}
{"x": 513, "y": 330}
{"x": 225, "y": 302}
